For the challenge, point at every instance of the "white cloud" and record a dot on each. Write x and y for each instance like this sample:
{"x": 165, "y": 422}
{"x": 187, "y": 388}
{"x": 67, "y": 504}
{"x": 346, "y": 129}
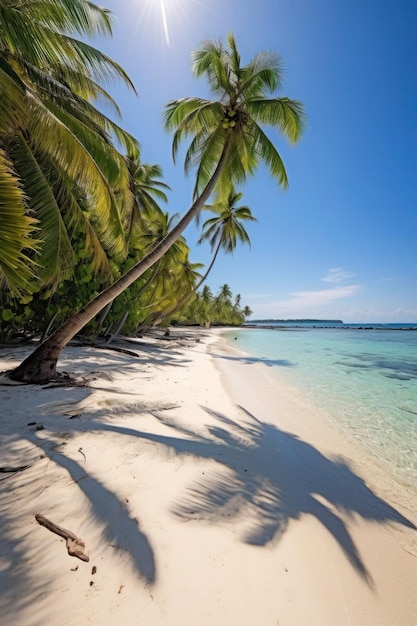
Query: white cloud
{"x": 337, "y": 275}
{"x": 322, "y": 297}
{"x": 308, "y": 303}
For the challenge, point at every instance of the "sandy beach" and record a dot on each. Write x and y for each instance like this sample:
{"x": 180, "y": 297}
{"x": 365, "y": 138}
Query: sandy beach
{"x": 205, "y": 493}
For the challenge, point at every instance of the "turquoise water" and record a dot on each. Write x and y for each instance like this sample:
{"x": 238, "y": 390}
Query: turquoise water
{"x": 365, "y": 380}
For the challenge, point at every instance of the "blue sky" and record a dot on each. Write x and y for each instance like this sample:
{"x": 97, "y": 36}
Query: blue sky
{"x": 341, "y": 242}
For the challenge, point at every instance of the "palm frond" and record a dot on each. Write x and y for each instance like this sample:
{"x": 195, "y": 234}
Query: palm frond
{"x": 56, "y": 254}
{"x": 101, "y": 66}
{"x": 69, "y": 152}
{"x": 188, "y": 115}
{"x": 66, "y": 15}
{"x": 17, "y": 230}
{"x": 12, "y": 109}
{"x": 262, "y": 76}
{"x": 77, "y": 217}
{"x": 68, "y": 83}
{"x": 270, "y": 155}
{"x": 209, "y": 153}
{"x": 234, "y": 56}
{"x": 288, "y": 115}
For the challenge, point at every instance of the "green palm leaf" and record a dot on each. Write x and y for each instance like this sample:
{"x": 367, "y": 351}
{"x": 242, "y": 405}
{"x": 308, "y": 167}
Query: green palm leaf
{"x": 16, "y": 232}
{"x": 283, "y": 113}
{"x": 56, "y": 254}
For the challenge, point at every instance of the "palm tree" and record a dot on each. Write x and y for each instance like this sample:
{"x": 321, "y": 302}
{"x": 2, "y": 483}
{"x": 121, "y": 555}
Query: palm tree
{"x": 161, "y": 282}
{"x": 225, "y": 293}
{"x": 223, "y": 303}
{"x": 226, "y": 229}
{"x": 146, "y": 191}
{"x": 247, "y": 311}
{"x": 227, "y": 145}
{"x": 48, "y": 80}
{"x": 142, "y": 217}
{"x": 188, "y": 279}
{"x": 223, "y": 233}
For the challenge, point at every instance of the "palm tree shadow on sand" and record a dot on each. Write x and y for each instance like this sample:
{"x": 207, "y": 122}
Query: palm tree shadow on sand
{"x": 120, "y": 527}
{"x": 270, "y": 477}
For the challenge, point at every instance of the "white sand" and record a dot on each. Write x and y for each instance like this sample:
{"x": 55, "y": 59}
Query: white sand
{"x": 205, "y": 493}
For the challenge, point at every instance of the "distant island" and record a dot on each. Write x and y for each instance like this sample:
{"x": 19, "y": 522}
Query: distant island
{"x": 297, "y": 321}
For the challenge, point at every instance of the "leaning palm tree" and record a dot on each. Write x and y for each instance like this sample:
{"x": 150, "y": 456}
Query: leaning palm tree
{"x": 227, "y": 144}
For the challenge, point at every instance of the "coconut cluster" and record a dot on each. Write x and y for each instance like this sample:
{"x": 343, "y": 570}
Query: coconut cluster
{"x": 232, "y": 118}
{"x": 228, "y": 120}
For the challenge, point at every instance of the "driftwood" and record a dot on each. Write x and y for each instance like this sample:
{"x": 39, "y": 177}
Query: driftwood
{"x": 75, "y": 545}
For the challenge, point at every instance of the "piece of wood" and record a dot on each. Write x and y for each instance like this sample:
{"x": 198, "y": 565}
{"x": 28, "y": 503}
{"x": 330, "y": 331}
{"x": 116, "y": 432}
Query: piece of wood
{"x": 75, "y": 545}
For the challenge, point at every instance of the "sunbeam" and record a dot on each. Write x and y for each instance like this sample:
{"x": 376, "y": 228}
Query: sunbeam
{"x": 164, "y": 21}
{"x": 166, "y": 16}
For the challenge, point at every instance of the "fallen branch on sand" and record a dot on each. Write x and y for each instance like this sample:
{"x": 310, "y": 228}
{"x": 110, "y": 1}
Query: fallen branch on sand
{"x": 75, "y": 545}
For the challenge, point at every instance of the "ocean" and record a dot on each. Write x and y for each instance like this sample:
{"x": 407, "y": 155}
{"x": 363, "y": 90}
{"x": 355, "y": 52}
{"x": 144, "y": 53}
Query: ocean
{"x": 363, "y": 376}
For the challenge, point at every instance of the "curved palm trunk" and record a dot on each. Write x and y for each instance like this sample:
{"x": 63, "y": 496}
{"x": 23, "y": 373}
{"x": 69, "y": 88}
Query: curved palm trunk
{"x": 187, "y": 296}
{"x": 40, "y": 366}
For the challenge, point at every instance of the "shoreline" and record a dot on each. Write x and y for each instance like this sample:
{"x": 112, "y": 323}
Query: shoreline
{"x": 196, "y": 484}
{"x": 375, "y": 455}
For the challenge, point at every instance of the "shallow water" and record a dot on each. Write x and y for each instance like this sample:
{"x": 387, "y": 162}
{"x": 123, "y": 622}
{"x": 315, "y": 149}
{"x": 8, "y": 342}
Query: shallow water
{"x": 365, "y": 380}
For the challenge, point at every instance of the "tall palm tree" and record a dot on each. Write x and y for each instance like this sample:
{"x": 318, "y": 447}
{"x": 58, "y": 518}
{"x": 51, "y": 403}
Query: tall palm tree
{"x": 225, "y": 293}
{"x": 226, "y": 229}
{"x": 48, "y": 80}
{"x": 142, "y": 216}
{"x": 222, "y": 302}
{"x": 223, "y": 232}
{"x": 147, "y": 190}
{"x": 228, "y": 143}
{"x": 201, "y": 306}
{"x": 247, "y": 311}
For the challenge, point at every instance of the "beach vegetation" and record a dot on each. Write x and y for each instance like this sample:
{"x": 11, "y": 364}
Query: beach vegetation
{"x": 207, "y": 310}
{"x": 222, "y": 156}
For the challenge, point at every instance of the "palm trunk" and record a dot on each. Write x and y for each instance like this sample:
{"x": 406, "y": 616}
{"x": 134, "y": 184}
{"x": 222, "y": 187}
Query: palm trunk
{"x": 126, "y": 314}
{"x": 40, "y": 366}
{"x": 118, "y": 327}
{"x": 103, "y": 315}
